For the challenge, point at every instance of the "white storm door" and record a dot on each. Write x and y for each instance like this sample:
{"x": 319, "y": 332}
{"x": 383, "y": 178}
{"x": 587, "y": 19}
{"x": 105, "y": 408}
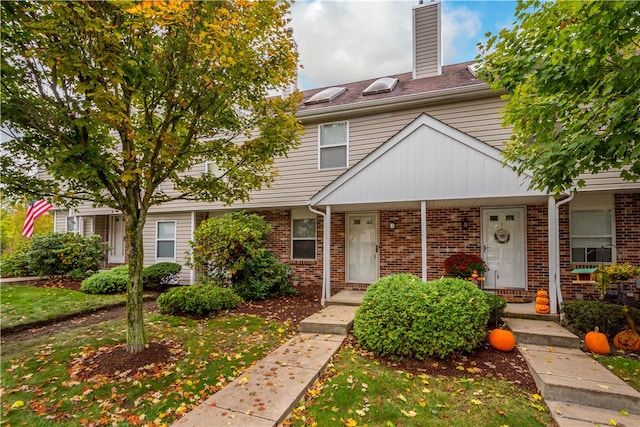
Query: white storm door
{"x": 504, "y": 248}
{"x": 362, "y": 248}
{"x": 116, "y": 239}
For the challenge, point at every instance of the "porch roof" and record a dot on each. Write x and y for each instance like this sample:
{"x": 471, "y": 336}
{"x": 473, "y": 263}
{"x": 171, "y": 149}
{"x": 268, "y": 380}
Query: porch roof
{"x": 431, "y": 161}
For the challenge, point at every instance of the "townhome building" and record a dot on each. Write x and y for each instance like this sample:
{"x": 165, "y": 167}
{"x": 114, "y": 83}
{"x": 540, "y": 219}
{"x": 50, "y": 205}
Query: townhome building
{"x": 397, "y": 173}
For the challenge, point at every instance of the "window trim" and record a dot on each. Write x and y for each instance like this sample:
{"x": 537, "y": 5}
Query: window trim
{"x": 321, "y": 147}
{"x": 595, "y": 208}
{"x": 174, "y": 240}
{"x": 297, "y": 217}
{"x": 222, "y": 176}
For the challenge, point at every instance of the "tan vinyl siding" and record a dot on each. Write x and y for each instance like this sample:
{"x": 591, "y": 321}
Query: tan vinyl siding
{"x": 183, "y": 235}
{"x": 426, "y": 43}
{"x": 60, "y": 221}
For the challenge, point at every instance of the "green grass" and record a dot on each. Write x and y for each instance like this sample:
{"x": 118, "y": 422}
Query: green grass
{"x": 624, "y": 367}
{"x": 39, "y": 388}
{"x": 361, "y": 392}
{"x": 24, "y": 304}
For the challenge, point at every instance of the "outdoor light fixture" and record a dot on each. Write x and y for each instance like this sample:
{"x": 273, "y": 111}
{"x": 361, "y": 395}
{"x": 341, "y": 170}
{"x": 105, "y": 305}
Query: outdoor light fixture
{"x": 465, "y": 223}
{"x": 392, "y": 225}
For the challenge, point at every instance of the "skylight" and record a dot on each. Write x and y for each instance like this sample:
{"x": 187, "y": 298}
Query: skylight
{"x": 383, "y": 85}
{"x": 326, "y": 95}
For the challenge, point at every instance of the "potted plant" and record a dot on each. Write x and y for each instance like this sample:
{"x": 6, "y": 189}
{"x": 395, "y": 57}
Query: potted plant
{"x": 613, "y": 273}
{"x": 462, "y": 265}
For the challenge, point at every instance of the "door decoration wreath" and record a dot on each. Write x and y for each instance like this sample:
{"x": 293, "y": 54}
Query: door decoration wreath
{"x": 502, "y": 236}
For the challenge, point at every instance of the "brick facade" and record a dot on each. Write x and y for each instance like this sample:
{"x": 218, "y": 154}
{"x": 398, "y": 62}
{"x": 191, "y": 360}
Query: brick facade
{"x": 400, "y": 247}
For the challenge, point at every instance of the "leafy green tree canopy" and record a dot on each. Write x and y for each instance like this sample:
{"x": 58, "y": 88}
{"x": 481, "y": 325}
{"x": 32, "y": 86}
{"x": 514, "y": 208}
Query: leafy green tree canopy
{"x": 118, "y": 102}
{"x": 571, "y": 71}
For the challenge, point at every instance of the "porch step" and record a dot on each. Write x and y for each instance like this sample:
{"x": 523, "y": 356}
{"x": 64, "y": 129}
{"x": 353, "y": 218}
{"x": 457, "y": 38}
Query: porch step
{"x": 574, "y": 415}
{"x": 347, "y": 297}
{"x": 571, "y": 376}
{"x": 528, "y": 311}
{"x": 541, "y": 332}
{"x": 333, "y": 319}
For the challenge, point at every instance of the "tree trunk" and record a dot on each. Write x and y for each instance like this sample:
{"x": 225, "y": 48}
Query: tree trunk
{"x": 136, "y": 335}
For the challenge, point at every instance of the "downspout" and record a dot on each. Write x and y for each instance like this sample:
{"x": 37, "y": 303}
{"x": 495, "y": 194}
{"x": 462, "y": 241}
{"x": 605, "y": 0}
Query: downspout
{"x": 557, "y": 243}
{"x": 326, "y": 252}
{"x": 423, "y": 238}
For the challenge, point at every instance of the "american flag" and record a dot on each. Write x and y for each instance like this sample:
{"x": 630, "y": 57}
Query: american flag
{"x": 35, "y": 210}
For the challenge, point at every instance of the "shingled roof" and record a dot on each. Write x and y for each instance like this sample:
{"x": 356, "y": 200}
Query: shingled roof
{"x": 453, "y": 76}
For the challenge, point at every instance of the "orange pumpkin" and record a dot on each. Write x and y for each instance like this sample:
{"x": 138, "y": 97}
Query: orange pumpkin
{"x": 543, "y": 308}
{"x": 627, "y": 340}
{"x": 542, "y": 293}
{"x": 502, "y": 339}
{"x": 542, "y": 301}
{"x": 596, "y": 342}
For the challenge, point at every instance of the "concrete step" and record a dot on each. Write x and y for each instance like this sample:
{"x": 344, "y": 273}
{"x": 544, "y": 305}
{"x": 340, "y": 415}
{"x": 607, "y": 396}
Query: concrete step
{"x": 541, "y": 332}
{"x": 528, "y": 311}
{"x": 570, "y": 375}
{"x": 333, "y": 319}
{"x": 573, "y": 415}
{"x": 347, "y": 297}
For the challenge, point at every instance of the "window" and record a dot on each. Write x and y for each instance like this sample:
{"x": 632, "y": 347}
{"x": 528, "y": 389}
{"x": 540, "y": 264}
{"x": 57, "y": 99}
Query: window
{"x": 591, "y": 236}
{"x": 71, "y": 224}
{"x": 215, "y": 170}
{"x": 333, "y": 144}
{"x": 166, "y": 240}
{"x": 303, "y": 235}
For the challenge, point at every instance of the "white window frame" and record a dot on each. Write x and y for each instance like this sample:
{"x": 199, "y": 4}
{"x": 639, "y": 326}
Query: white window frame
{"x": 158, "y": 240}
{"x": 299, "y": 215}
{"x": 321, "y": 147}
{"x": 604, "y": 203}
{"x": 218, "y": 173}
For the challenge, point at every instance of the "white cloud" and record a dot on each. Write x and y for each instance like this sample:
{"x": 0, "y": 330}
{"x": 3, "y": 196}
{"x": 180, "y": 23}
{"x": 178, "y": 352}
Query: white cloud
{"x": 345, "y": 41}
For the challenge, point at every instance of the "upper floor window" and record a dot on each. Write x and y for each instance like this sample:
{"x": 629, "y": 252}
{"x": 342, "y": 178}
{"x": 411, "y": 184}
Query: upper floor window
{"x": 166, "y": 240}
{"x": 333, "y": 145}
{"x": 215, "y": 170}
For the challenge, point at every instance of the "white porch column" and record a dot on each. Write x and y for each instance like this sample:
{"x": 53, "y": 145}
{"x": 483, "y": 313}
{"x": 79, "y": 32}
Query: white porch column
{"x": 423, "y": 230}
{"x": 553, "y": 254}
{"x": 192, "y": 273}
{"x": 326, "y": 254}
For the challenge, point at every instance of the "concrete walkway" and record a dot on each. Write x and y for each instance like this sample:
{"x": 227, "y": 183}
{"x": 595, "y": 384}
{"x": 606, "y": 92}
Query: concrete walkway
{"x": 578, "y": 390}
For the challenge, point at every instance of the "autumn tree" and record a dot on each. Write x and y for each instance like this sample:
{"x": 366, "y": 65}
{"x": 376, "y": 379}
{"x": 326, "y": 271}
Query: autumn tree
{"x": 571, "y": 71}
{"x": 116, "y": 101}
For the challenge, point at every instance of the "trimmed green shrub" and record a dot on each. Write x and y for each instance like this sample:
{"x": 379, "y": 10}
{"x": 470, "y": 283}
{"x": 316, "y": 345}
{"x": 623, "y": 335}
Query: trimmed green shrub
{"x": 497, "y": 305}
{"x": 197, "y": 299}
{"x": 402, "y": 316}
{"x": 65, "y": 254}
{"x": 16, "y": 262}
{"x": 112, "y": 281}
{"x": 161, "y": 276}
{"x": 583, "y": 316}
{"x": 263, "y": 276}
{"x": 232, "y": 250}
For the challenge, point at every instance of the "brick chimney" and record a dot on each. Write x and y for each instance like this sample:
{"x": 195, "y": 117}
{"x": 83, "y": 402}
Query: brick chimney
{"x": 427, "y": 46}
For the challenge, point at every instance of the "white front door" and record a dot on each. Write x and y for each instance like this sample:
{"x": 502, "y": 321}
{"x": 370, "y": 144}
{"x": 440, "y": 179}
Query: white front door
{"x": 116, "y": 239}
{"x": 362, "y": 248}
{"x": 504, "y": 248}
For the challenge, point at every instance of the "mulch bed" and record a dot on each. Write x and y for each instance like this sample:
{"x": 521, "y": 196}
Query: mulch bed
{"x": 112, "y": 361}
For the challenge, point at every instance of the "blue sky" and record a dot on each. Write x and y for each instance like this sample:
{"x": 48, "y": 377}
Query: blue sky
{"x": 343, "y": 41}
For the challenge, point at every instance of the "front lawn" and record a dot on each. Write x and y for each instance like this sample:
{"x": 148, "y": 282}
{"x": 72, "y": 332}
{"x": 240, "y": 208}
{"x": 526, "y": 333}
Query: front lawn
{"x": 44, "y": 382}
{"x": 25, "y": 304}
{"x": 359, "y": 391}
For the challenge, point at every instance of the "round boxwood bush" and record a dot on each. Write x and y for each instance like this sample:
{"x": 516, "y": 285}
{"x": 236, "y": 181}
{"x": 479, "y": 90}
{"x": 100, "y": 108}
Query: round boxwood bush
{"x": 160, "y": 276}
{"x": 112, "y": 281}
{"x": 402, "y": 316}
{"x": 198, "y": 299}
